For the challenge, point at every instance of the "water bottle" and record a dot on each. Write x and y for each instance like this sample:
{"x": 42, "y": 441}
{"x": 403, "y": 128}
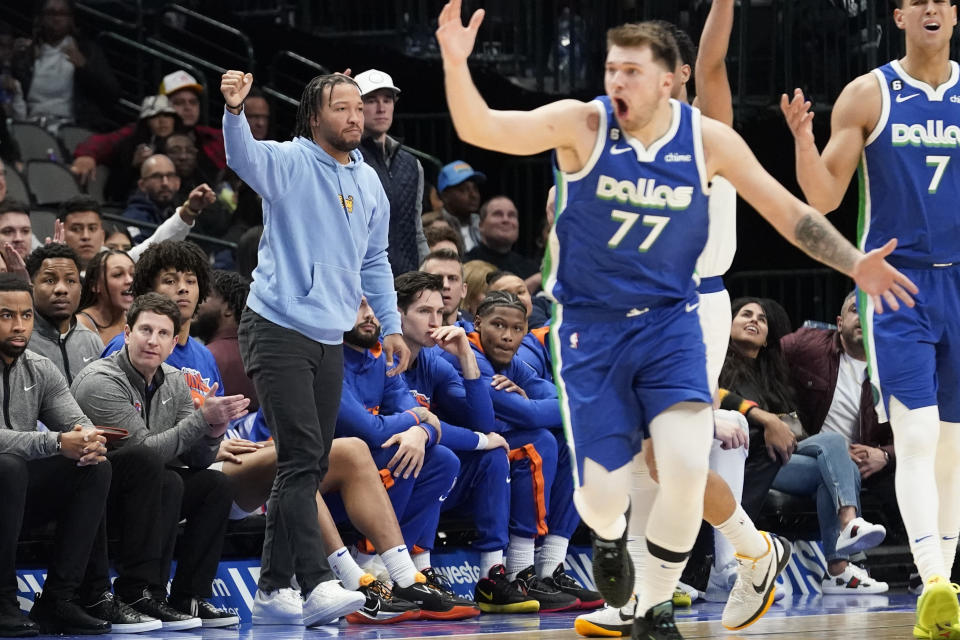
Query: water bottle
{"x": 52, "y": 155}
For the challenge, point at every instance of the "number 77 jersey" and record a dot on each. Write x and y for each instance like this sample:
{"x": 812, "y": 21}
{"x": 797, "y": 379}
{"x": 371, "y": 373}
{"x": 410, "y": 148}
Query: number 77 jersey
{"x": 910, "y": 170}
{"x": 632, "y": 222}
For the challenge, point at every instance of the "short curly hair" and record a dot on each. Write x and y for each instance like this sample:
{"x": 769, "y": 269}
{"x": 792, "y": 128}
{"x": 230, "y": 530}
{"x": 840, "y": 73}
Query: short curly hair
{"x": 48, "y": 251}
{"x": 172, "y": 254}
{"x": 233, "y": 288}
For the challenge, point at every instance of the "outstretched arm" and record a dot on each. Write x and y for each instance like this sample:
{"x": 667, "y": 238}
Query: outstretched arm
{"x": 713, "y": 86}
{"x": 729, "y": 156}
{"x": 824, "y": 177}
{"x": 553, "y": 126}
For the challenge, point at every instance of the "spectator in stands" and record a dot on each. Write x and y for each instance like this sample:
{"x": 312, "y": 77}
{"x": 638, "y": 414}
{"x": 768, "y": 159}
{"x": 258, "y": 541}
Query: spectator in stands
{"x": 64, "y": 76}
{"x": 63, "y": 467}
{"x": 538, "y": 311}
{"x": 184, "y": 93}
{"x": 15, "y": 227}
{"x": 499, "y": 229}
{"x": 257, "y": 110}
{"x": 116, "y": 236}
{"x": 402, "y": 436}
{"x": 12, "y": 104}
{"x": 248, "y": 251}
{"x": 399, "y": 170}
{"x": 436, "y": 219}
{"x": 193, "y": 168}
{"x": 82, "y": 227}
{"x": 182, "y": 90}
{"x": 216, "y": 324}
{"x": 475, "y": 274}
{"x": 158, "y": 192}
{"x": 533, "y": 428}
{"x": 443, "y": 237}
{"x": 447, "y": 264}
{"x": 107, "y": 293}
{"x": 460, "y": 193}
{"x": 134, "y": 388}
{"x": 819, "y": 465}
{"x": 54, "y": 270}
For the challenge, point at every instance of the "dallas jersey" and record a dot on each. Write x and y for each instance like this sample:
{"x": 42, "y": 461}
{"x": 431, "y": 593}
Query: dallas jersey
{"x": 909, "y": 171}
{"x": 639, "y": 218}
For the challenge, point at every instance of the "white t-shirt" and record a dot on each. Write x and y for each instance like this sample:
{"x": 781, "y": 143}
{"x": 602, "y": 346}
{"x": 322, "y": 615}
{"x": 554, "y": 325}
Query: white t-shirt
{"x": 51, "y": 89}
{"x": 844, "y": 414}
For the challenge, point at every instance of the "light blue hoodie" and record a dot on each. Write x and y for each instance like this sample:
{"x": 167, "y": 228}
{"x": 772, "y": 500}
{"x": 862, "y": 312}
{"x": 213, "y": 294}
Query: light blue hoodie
{"x": 324, "y": 235}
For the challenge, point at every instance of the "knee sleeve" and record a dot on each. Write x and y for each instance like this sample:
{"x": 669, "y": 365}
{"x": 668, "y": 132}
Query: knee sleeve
{"x": 603, "y": 496}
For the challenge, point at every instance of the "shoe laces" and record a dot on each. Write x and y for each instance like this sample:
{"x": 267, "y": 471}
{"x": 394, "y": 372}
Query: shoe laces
{"x": 290, "y": 595}
{"x": 562, "y": 580}
{"x": 381, "y": 590}
{"x": 436, "y": 580}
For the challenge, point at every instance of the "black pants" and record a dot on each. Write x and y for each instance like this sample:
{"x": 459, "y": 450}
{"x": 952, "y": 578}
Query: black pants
{"x": 38, "y": 491}
{"x": 758, "y": 474}
{"x": 203, "y": 497}
{"x": 298, "y": 382}
{"x": 132, "y": 510}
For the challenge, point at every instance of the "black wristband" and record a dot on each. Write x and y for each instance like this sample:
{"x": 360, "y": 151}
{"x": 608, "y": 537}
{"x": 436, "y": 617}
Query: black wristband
{"x": 238, "y": 107}
{"x": 59, "y": 441}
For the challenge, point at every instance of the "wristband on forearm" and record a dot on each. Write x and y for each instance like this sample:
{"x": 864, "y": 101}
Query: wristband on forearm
{"x": 482, "y": 444}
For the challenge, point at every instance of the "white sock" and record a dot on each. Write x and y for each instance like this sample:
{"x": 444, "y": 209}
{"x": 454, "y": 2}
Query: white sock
{"x": 519, "y": 555}
{"x": 346, "y": 568}
{"x": 743, "y": 535}
{"x": 422, "y": 560}
{"x": 729, "y": 465}
{"x": 915, "y": 436}
{"x": 643, "y": 492}
{"x": 682, "y": 436}
{"x": 399, "y": 565}
{"x": 553, "y": 551}
{"x": 488, "y": 560}
{"x": 948, "y": 487}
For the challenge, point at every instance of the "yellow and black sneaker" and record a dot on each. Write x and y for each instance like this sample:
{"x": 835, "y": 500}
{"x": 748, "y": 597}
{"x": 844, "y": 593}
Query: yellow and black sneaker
{"x": 938, "y": 612}
{"x": 496, "y": 594}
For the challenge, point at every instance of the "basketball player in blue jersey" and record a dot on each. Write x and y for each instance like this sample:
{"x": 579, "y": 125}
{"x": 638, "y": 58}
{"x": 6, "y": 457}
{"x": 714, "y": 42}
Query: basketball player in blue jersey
{"x": 900, "y": 124}
{"x": 628, "y": 350}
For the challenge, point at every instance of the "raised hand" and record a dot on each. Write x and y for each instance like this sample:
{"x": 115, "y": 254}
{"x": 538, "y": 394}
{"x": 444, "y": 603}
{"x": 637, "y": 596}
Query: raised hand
{"x": 59, "y": 234}
{"x": 220, "y": 410}
{"x": 456, "y": 41}
{"x": 882, "y": 282}
{"x": 235, "y": 85}
{"x": 85, "y": 168}
{"x": 799, "y": 116}
{"x": 201, "y": 197}
{"x": 452, "y": 339}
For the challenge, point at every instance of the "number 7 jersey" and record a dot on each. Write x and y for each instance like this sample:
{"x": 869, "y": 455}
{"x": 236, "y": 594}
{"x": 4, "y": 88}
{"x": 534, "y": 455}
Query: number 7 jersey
{"x": 632, "y": 222}
{"x": 910, "y": 170}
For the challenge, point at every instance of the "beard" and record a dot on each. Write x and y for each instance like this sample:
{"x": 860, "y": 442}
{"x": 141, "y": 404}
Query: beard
{"x": 342, "y": 144}
{"x": 12, "y": 351}
{"x": 360, "y": 339}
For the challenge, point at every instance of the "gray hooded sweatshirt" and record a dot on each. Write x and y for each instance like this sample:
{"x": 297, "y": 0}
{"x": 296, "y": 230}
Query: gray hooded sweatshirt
{"x": 114, "y": 394}
{"x": 34, "y": 389}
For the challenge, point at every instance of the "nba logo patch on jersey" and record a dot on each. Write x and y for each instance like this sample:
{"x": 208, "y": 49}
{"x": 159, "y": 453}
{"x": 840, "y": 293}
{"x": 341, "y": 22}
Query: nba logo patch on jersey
{"x": 575, "y": 340}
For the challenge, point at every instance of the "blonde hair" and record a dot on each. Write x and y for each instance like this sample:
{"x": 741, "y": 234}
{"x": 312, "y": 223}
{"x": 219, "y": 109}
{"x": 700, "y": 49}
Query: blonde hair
{"x": 475, "y": 275}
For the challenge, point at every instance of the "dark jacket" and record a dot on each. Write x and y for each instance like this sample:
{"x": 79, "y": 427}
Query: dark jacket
{"x": 813, "y": 356}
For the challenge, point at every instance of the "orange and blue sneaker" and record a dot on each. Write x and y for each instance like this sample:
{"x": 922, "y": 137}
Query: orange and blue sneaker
{"x": 938, "y": 611}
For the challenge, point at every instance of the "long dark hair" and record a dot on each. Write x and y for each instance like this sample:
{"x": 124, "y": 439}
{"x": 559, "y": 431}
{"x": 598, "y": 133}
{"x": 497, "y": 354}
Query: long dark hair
{"x": 765, "y": 376}
{"x": 96, "y": 274}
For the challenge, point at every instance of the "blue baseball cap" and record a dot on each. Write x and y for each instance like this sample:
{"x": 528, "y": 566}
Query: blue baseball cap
{"x": 456, "y": 172}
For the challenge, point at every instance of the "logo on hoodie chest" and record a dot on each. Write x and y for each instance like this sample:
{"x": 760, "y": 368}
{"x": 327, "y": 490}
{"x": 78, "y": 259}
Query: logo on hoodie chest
{"x": 346, "y": 203}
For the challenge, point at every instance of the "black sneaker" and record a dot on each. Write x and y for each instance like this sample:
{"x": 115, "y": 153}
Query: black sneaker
{"x": 14, "y": 623}
{"x": 158, "y": 607}
{"x": 656, "y": 624}
{"x": 613, "y": 567}
{"x": 210, "y": 616}
{"x": 564, "y": 582}
{"x": 550, "y": 598}
{"x": 436, "y": 600}
{"x": 381, "y": 606}
{"x": 496, "y": 594}
{"x": 65, "y": 617}
{"x": 123, "y": 617}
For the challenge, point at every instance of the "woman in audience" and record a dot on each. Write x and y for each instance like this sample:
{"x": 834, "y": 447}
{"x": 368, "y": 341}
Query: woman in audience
{"x": 116, "y": 236}
{"x": 106, "y": 293}
{"x": 820, "y": 466}
{"x": 475, "y": 274}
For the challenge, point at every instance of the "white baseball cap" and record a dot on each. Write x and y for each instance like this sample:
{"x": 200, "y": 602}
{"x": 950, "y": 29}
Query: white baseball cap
{"x": 372, "y": 80}
{"x": 173, "y": 82}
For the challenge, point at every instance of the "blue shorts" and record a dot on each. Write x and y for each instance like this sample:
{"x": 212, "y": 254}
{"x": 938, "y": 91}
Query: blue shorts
{"x": 914, "y": 353}
{"x": 616, "y": 374}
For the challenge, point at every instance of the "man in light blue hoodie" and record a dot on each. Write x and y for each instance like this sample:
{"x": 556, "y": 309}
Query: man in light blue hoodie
{"x": 324, "y": 246}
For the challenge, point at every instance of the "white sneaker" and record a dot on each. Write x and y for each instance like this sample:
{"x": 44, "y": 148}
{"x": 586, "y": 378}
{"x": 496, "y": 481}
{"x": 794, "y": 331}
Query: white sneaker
{"x": 859, "y": 535}
{"x": 721, "y": 582}
{"x": 608, "y": 622}
{"x": 854, "y": 580}
{"x": 282, "y": 606}
{"x": 754, "y": 590}
{"x": 328, "y": 601}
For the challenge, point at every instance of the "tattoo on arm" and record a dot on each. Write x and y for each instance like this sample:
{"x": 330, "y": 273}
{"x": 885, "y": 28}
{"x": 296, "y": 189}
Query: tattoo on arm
{"x": 820, "y": 240}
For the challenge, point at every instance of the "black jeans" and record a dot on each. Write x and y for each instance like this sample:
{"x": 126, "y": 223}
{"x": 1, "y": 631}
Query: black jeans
{"x": 203, "y": 497}
{"x": 758, "y": 474}
{"x": 132, "y": 510}
{"x": 298, "y": 382}
{"x": 38, "y": 491}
